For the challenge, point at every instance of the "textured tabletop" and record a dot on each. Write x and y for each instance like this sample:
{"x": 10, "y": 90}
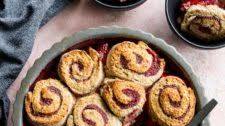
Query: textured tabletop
{"x": 209, "y": 65}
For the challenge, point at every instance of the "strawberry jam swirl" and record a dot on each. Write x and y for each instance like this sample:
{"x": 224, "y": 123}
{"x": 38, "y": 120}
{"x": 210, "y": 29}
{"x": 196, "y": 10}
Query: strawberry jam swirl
{"x": 47, "y": 101}
{"x": 171, "y": 101}
{"x": 99, "y": 110}
{"x": 124, "y": 97}
{"x": 199, "y": 21}
{"x": 81, "y": 70}
{"x": 91, "y": 111}
{"x": 135, "y": 62}
{"x": 174, "y": 102}
{"x": 153, "y": 69}
{"x": 133, "y": 95}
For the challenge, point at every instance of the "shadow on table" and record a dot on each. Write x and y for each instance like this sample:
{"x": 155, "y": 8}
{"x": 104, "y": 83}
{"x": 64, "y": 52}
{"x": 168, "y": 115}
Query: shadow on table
{"x": 91, "y": 7}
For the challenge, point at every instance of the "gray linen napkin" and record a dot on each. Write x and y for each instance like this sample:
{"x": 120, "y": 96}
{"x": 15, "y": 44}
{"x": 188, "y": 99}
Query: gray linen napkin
{"x": 19, "y": 21}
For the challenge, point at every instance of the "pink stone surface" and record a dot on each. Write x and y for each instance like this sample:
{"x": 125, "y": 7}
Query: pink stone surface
{"x": 150, "y": 17}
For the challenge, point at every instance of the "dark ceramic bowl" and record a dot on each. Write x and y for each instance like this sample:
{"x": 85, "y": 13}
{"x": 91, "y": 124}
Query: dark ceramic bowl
{"x": 172, "y": 13}
{"x": 121, "y": 6}
{"x": 87, "y": 38}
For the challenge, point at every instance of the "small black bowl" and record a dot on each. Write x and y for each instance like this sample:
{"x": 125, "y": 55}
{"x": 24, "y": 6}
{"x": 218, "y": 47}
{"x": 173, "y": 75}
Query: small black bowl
{"x": 121, "y": 6}
{"x": 172, "y": 13}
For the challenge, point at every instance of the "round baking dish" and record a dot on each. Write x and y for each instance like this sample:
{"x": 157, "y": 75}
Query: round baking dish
{"x": 104, "y": 32}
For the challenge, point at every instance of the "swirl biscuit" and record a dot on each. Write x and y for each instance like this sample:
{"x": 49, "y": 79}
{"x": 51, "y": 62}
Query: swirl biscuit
{"x": 49, "y": 103}
{"x": 82, "y": 72}
{"x": 91, "y": 111}
{"x": 134, "y": 62}
{"x": 124, "y": 98}
{"x": 171, "y": 102}
{"x": 205, "y": 22}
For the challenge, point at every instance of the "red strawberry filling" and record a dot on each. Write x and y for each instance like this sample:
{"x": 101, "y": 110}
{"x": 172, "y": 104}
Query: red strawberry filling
{"x": 103, "y": 50}
{"x": 187, "y": 3}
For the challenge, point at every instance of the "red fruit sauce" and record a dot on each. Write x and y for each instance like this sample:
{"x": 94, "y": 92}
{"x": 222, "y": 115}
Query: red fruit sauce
{"x": 187, "y": 3}
{"x": 103, "y": 50}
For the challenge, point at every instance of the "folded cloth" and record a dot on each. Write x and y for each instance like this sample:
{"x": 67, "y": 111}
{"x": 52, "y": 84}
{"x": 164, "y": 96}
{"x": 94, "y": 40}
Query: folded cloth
{"x": 19, "y": 21}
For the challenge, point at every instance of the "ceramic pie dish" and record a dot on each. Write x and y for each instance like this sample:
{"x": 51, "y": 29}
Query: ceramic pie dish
{"x": 93, "y": 36}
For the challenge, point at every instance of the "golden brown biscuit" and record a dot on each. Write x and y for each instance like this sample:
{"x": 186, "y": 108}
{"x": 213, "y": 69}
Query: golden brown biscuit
{"x": 124, "y": 98}
{"x": 134, "y": 62}
{"x": 49, "y": 103}
{"x": 171, "y": 102}
{"x": 205, "y": 22}
{"x": 91, "y": 111}
{"x": 81, "y": 71}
